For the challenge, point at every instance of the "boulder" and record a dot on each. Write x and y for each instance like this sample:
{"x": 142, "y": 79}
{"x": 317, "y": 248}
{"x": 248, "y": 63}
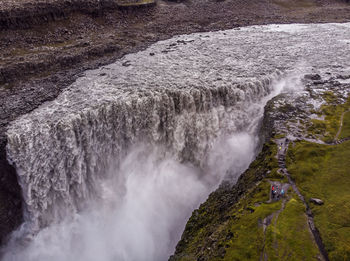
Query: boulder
{"x": 314, "y": 77}
{"x": 316, "y": 201}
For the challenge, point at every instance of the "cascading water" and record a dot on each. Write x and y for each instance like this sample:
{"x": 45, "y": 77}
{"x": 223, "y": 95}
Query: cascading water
{"x": 112, "y": 168}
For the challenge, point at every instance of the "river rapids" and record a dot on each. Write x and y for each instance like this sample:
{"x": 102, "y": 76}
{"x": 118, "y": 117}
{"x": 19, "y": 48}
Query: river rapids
{"x": 113, "y": 167}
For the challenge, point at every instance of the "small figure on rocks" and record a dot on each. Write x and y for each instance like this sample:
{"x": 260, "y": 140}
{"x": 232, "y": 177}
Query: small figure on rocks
{"x": 282, "y": 192}
{"x": 276, "y": 192}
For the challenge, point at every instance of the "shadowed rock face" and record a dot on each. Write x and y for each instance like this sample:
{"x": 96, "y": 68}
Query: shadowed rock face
{"x": 10, "y": 197}
{"x": 23, "y": 14}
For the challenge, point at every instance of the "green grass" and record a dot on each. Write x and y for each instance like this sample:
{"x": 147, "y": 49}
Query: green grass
{"x": 241, "y": 236}
{"x": 345, "y": 131}
{"x": 287, "y": 237}
{"x": 248, "y": 236}
{"x": 208, "y": 231}
{"x": 279, "y": 136}
{"x": 222, "y": 229}
{"x": 332, "y": 121}
{"x": 275, "y": 176}
{"x": 290, "y": 238}
{"x": 238, "y": 236}
{"x": 228, "y": 226}
{"x": 323, "y": 171}
{"x": 332, "y": 111}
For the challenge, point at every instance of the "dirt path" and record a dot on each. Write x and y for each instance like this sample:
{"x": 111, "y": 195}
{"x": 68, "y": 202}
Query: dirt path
{"x": 341, "y": 125}
{"x": 267, "y": 221}
{"x": 281, "y": 156}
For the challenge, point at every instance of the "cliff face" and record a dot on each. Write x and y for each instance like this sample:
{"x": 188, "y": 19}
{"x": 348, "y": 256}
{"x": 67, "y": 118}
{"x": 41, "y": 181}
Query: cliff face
{"x": 16, "y": 14}
{"x": 10, "y": 198}
{"x": 244, "y": 222}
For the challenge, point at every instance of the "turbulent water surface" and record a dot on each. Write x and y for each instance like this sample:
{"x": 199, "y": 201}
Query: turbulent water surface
{"x": 112, "y": 168}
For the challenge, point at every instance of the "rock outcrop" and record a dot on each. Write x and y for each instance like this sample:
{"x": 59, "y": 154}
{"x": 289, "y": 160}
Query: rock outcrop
{"x": 16, "y": 14}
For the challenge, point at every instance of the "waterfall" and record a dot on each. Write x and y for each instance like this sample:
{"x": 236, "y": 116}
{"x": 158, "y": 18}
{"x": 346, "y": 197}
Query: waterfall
{"x": 59, "y": 162}
{"x": 173, "y": 118}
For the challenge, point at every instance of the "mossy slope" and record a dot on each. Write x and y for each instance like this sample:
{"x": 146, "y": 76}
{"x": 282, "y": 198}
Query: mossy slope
{"x": 241, "y": 223}
{"x": 345, "y": 132}
{"x": 323, "y": 171}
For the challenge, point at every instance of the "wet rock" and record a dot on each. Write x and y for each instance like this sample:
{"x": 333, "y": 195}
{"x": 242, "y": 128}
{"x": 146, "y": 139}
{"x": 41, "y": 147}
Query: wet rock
{"x": 314, "y": 77}
{"x": 126, "y": 64}
{"x": 316, "y": 201}
{"x": 317, "y": 82}
{"x": 343, "y": 76}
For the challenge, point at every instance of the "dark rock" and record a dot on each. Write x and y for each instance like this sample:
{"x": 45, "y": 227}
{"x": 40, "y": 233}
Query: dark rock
{"x": 126, "y": 64}
{"x": 314, "y": 77}
{"x": 221, "y": 252}
{"x": 343, "y": 76}
{"x": 10, "y": 197}
{"x": 319, "y": 82}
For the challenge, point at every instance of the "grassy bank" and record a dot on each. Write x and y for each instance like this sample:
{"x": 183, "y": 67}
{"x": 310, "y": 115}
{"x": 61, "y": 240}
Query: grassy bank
{"x": 331, "y": 111}
{"x": 345, "y": 132}
{"x": 242, "y": 223}
{"x": 323, "y": 171}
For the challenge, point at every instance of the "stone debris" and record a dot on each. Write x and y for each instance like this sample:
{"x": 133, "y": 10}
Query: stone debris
{"x": 316, "y": 201}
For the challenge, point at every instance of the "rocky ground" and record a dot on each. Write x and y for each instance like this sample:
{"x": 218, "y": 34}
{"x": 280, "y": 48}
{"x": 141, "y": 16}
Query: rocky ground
{"x": 45, "y": 45}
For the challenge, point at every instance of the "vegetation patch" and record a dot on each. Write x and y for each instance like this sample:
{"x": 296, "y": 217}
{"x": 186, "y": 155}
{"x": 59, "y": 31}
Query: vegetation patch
{"x": 345, "y": 131}
{"x": 209, "y": 232}
{"x": 243, "y": 224}
{"x": 332, "y": 111}
{"x": 289, "y": 237}
{"x": 274, "y": 175}
{"x": 323, "y": 171}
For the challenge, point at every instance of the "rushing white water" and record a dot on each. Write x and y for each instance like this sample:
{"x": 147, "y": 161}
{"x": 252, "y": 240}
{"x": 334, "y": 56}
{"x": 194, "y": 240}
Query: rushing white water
{"x": 112, "y": 168}
{"x": 140, "y": 216}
